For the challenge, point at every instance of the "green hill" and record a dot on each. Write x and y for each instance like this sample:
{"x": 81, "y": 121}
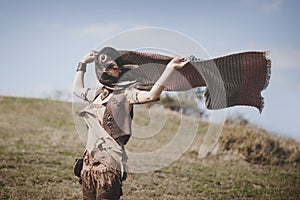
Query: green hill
{"x": 39, "y": 142}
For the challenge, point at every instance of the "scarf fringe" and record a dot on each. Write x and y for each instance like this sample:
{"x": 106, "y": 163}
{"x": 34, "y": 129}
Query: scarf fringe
{"x": 268, "y": 74}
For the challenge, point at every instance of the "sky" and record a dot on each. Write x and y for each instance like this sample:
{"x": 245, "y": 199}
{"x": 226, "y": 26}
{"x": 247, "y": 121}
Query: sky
{"x": 42, "y": 41}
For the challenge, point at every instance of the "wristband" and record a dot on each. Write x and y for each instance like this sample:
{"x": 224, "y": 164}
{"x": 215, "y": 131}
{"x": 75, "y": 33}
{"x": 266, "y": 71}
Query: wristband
{"x": 81, "y": 67}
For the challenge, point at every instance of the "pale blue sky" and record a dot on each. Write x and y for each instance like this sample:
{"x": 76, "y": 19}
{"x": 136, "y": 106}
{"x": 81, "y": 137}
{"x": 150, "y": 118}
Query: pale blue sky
{"x": 42, "y": 41}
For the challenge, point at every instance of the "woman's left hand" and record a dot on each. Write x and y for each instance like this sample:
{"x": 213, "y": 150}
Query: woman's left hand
{"x": 177, "y": 63}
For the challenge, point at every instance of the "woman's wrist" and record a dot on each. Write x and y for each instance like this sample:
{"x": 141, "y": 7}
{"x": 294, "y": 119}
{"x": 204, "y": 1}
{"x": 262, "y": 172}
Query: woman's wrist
{"x": 81, "y": 67}
{"x": 170, "y": 68}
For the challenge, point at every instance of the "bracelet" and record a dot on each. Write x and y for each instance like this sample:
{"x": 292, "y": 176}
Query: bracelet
{"x": 81, "y": 67}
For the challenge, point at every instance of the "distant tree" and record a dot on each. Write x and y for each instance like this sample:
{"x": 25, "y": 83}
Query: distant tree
{"x": 190, "y": 103}
{"x": 199, "y": 92}
{"x": 170, "y": 102}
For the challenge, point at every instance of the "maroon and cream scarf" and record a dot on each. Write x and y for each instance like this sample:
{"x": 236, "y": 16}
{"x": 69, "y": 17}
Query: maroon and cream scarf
{"x": 236, "y": 79}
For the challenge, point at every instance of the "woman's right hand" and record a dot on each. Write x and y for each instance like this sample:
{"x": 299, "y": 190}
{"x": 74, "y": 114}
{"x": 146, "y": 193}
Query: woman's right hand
{"x": 90, "y": 57}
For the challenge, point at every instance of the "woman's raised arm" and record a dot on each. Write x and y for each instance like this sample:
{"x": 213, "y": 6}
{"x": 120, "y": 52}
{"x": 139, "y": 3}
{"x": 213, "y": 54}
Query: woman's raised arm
{"x": 78, "y": 85}
{"x": 154, "y": 93}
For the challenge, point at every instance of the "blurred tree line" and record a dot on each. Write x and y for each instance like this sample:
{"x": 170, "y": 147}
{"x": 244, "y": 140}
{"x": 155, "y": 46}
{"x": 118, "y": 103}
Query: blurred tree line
{"x": 190, "y": 103}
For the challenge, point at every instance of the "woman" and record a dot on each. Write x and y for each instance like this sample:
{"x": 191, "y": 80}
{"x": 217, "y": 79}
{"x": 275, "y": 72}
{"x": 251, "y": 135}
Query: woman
{"x": 108, "y": 118}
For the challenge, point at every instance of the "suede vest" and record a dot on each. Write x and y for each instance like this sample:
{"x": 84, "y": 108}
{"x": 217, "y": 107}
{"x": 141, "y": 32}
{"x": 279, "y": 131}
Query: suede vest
{"x": 117, "y": 117}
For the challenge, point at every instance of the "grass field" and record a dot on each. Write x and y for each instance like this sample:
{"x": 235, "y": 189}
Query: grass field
{"x": 39, "y": 143}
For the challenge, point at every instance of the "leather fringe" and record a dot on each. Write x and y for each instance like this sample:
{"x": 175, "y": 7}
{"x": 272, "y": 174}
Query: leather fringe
{"x": 100, "y": 177}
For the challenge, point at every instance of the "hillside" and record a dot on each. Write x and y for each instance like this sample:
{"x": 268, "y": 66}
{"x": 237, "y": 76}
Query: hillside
{"x": 39, "y": 143}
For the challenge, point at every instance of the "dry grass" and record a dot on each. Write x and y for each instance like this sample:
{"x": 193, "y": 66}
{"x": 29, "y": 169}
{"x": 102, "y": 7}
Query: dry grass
{"x": 257, "y": 146}
{"x": 38, "y": 145}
